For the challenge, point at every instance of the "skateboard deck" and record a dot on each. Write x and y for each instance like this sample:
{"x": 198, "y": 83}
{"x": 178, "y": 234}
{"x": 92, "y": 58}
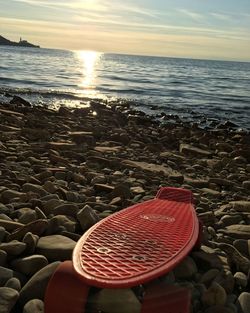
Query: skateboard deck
{"x": 139, "y": 243}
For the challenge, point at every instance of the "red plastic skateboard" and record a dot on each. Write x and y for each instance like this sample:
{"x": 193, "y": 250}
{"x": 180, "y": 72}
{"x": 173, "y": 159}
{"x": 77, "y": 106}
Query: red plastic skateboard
{"x": 131, "y": 247}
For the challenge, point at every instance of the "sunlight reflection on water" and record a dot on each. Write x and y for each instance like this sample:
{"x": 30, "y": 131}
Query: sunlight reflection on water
{"x": 89, "y": 61}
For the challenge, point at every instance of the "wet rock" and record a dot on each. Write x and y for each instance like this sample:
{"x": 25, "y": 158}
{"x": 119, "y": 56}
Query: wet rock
{"x": 5, "y": 275}
{"x": 192, "y": 151}
{"x": 236, "y": 257}
{"x": 237, "y": 231}
{"x": 246, "y": 184}
{"x": 62, "y": 146}
{"x": 3, "y": 257}
{"x": 230, "y": 220}
{"x": 214, "y": 295}
{"x": 70, "y": 235}
{"x": 34, "y": 306}
{"x": 73, "y": 196}
{"x": 20, "y": 101}
{"x": 87, "y": 217}
{"x": 4, "y": 209}
{"x": 226, "y": 280}
{"x": 13, "y": 247}
{"x": 210, "y": 193}
{"x": 100, "y": 179}
{"x": 8, "y": 195}
{"x": 241, "y": 279}
{"x": 104, "y": 149}
{"x": 153, "y": 168}
{"x": 2, "y": 233}
{"x": 186, "y": 269}
{"x": 137, "y": 190}
{"x": 244, "y": 302}
{"x": 8, "y": 299}
{"x": 121, "y": 190}
{"x": 66, "y": 209}
{"x": 197, "y": 183}
{"x": 208, "y": 218}
{"x": 116, "y": 301}
{"x": 5, "y": 217}
{"x": 177, "y": 178}
{"x": 36, "y": 286}
{"x": 39, "y": 213}
{"x": 30, "y": 240}
{"x": 208, "y": 258}
{"x": 55, "y": 247}
{"x": 26, "y": 215}
{"x": 79, "y": 179}
{"x": 240, "y": 206}
{"x": 242, "y": 246}
{"x": 219, "y": 309}
{"x": 34, "y": 188}
{"x": 37, "y": 227}
{"x": 13, "y": 283}
{"x": 69, "y": 223}
{"x": 116, "y": 201}
{"x": 209, "y": 276}
{"x": 50, "y": 186}
{"x": 50, "y": 204}
{"x": 220, "y": 182}
{"x": 29, "y": 265}
{"x": 103, "y": 188}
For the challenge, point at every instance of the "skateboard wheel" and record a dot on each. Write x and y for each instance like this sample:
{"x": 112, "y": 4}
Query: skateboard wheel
{"x": 66, "y": 293}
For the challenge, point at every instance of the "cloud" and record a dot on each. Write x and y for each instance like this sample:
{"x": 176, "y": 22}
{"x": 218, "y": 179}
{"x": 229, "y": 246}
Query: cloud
{"x": 138, "y": 10}
{"x": 71, "y": 5}
{"x": 117, "y": 26}
{"x": 94, "y": 6}
{"x": 180, "y": 43}
{"x": 220, "y": 16}
{"x": 193, "y": 15}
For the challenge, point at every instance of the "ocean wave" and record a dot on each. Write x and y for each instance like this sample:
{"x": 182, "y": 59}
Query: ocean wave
{"x": 153, "y": 84}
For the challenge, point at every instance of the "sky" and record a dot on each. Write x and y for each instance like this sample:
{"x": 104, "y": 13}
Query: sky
{"x": 206, "y": 29}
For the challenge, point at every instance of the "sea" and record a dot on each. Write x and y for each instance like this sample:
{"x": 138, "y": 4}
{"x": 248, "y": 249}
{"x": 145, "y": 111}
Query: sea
{"x": 205, "y": 92}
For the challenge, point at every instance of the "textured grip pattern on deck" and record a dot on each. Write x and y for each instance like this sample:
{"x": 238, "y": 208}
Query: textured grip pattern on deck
{"x": 140, "y": 240}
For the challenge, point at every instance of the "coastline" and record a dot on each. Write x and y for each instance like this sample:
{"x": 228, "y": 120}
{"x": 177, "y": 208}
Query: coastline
{"x": 54, "y": 163}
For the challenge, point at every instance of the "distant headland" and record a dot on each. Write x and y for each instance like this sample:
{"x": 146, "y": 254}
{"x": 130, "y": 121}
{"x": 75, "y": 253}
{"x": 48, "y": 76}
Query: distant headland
{"x": 21, "y": 43}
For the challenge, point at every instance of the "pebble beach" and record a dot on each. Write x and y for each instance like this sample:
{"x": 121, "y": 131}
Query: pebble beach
{"x": 61, "y": 171}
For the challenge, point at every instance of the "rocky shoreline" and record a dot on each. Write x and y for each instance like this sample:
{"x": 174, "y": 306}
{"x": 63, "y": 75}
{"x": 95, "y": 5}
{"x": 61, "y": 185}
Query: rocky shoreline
{"x": 62, "y": 171}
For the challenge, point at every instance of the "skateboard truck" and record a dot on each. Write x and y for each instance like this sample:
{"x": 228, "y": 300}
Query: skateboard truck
{"x": 68, "y": 289}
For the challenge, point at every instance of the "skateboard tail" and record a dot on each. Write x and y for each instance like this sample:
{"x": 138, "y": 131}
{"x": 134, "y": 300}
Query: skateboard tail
{"x": 175, "y": 194}
{"x": 66, "y": 293}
